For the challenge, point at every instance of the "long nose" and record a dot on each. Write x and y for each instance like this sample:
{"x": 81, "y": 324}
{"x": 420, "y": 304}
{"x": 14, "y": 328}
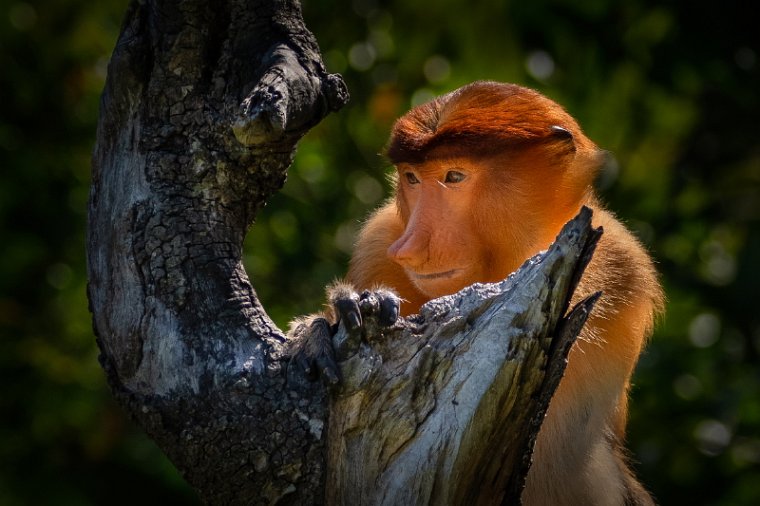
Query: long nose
{"x": 412, "y": 249}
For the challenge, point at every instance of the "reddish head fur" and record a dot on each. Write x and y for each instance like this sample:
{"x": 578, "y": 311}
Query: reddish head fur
{"x": 482, "y": 118}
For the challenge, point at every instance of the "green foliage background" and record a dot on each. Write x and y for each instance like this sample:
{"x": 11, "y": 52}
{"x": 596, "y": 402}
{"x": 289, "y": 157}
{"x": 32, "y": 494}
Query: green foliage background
{"x": 672, "y": 88}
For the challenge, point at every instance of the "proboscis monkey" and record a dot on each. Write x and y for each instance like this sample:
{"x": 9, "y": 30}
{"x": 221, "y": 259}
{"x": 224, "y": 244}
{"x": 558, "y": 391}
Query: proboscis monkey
{"x": 486, "y": 177}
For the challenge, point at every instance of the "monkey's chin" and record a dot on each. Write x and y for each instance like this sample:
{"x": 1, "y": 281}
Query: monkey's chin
{"x": 438, "y": 284}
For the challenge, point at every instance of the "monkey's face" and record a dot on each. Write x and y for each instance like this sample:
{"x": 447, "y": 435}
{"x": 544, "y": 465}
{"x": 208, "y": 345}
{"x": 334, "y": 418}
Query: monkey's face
{"x": 487, "y": 175}
{"x": 441, "y": 248}
{"x": 470, "y": 220}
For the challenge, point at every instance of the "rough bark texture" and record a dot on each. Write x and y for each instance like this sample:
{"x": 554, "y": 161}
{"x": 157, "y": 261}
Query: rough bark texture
{"x": 202, "y": 109}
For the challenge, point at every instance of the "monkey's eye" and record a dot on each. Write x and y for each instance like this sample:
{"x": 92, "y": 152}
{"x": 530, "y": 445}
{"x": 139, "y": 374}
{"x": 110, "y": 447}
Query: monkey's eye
{"x": 411, "y": 178}
{"x": 454, "y": 176}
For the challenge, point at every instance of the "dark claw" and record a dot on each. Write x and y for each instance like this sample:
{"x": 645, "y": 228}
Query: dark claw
{"x": 389, "y": 308}
{"x": 328, "y": 371}
{"x": 302, "y": 362}
{"x": 348, "y": 310}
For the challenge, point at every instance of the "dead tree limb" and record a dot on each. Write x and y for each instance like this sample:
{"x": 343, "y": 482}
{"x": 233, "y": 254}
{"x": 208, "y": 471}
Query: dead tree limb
{"x": 203, "y": 106}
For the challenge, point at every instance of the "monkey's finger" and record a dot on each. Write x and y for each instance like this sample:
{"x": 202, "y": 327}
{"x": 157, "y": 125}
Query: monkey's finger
{"x": 299, "y": 368}
{"x": 389, "y": 308}
{"x": 321, "y": 352}
{"x": 328, "y": 369}
{"x": 304, "y": 363}
{"x": 348, "y": 310}
{"x": 369, "y": 304}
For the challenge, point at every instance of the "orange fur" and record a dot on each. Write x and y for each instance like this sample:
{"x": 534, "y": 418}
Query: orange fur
{"x": 527, "y": 169}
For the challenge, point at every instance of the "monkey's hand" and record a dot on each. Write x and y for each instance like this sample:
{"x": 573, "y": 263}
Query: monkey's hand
{"x": 313, "y": 355}
{"x": 362, "y": 315}
{"x": 318, "y": 346}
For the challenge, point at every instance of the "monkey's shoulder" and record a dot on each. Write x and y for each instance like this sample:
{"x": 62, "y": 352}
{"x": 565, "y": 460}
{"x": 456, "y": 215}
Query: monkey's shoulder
{"x": 621, "y": 268}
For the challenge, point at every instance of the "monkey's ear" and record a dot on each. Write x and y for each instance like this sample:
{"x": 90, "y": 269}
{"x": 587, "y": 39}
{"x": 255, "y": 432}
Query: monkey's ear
{"x": 566, "y": 141}
{"x": 562, "y": 133}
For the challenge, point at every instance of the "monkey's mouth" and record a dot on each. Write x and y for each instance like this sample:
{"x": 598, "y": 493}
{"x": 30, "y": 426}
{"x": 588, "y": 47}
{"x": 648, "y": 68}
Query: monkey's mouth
{"x": 436, "y": 275}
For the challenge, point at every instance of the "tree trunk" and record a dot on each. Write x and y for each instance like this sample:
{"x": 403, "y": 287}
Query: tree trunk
{"x": 202, "y": 108}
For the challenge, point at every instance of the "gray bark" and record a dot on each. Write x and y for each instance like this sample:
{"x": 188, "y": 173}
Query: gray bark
{"x": 202, "y": 109}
